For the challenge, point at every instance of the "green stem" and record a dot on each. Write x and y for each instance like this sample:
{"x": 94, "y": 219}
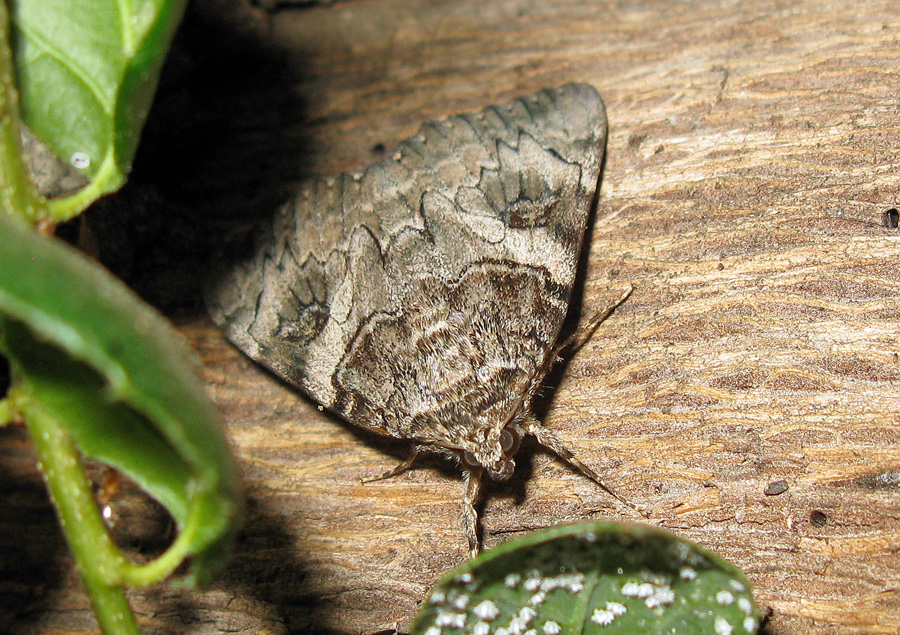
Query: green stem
{"x": 18, "y": 195}
{"x": 98, "y": 560}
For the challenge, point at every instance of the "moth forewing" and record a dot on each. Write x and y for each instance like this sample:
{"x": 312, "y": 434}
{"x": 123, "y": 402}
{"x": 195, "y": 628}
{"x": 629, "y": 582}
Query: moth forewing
{"x": 422, "y": 298}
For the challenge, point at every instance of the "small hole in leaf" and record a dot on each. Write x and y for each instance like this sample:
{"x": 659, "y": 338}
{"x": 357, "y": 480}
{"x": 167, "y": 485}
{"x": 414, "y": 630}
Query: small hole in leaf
{"x": 140, "y": 526}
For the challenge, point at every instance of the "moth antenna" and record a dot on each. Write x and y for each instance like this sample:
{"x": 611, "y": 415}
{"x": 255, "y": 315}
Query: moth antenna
{"x": 400, "y": 469}
{"x": 550, "y": 441}
{"x": 584, "y": 333}
{"x": 472, "y": 479}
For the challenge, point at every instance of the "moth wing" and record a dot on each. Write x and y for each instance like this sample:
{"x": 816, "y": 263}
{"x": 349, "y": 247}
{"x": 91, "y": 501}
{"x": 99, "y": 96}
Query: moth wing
{"x": 395, "y": 295}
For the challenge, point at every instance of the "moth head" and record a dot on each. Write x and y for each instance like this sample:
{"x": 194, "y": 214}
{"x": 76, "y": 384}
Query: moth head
{"x": 495, "y": 456}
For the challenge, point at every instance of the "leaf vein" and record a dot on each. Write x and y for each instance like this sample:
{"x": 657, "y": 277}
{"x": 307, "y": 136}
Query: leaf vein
{"x": 84, "y": 77}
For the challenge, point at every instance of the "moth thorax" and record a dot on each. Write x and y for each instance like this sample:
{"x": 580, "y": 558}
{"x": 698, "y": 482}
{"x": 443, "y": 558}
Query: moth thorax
{"x": 497, "y": 460}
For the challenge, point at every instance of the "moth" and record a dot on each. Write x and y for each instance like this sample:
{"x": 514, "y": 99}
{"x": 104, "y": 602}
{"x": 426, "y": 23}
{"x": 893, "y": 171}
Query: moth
{"x": 422, "y": 298}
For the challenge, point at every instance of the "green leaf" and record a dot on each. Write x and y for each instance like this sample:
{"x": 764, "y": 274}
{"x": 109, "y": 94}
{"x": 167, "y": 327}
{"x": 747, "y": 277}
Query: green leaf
{"x": 87, "y": 71}
{"x": 592, "y": 578}
{"x": 88, "y": 354}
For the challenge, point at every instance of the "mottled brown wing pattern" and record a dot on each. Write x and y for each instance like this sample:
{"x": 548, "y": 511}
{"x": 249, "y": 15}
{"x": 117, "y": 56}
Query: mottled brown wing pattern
{"x": 421, "y": 297}
{"x": 449, "y": 369}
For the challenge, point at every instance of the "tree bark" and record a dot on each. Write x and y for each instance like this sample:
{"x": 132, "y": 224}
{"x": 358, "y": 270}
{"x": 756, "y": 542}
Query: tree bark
{"x": 752, "y": 157}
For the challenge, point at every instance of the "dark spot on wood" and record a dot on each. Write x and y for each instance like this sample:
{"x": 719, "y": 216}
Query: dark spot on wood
{"x": 818, "y": 518}
{"x": 881, "y": 480}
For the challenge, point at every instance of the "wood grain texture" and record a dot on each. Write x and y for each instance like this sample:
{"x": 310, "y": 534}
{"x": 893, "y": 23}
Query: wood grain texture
{"x": 753, "y": 149}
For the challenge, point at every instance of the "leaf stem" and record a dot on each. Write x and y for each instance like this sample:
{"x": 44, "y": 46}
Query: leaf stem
{"x": 18, "y": 195}
{"x": 98, "y": 560}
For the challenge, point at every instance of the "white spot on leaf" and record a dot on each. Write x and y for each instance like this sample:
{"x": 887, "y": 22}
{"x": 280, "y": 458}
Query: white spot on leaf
{"x": 662, "y": 596}
{"x": 603, "y": 617}
{"x": 551, "y": 628}
{"x": 453, "y": 620}
{"x": 721, "y": 626}
{"x": 526, "y": 614}
{"x": 538, "y": 598}
{"x": 635, "y": 590}
{"x": 616, "y": 608}
{"x": 460, "y": 602}
{"x": 512, "y": 579}
{"x": 486, "y": 611}
{"x": 725, "y": 598}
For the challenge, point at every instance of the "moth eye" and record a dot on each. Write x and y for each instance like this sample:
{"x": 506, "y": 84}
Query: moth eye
{"x": 509, "y": 441}
{"x": 470, "y": 460}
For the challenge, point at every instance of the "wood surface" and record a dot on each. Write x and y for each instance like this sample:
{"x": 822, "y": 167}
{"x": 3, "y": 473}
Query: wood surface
{"x": 754, "y": 149}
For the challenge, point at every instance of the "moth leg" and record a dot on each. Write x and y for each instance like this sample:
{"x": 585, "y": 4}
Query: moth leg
{"x": 584, "y": 333}
{"x": 400, "y": 469}
{"x": 550, "y": 441}
{"x": 469, "y": 513}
